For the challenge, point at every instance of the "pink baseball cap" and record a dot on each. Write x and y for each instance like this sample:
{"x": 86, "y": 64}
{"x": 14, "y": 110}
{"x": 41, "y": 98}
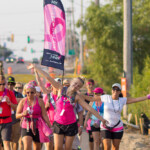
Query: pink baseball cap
{"x": 98, "y": 90}
{"x": 47, "y": 84}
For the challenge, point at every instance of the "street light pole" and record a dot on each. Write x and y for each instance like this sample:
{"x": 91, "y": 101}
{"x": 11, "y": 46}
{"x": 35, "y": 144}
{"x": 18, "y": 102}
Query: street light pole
{"x": 127, "y": 46}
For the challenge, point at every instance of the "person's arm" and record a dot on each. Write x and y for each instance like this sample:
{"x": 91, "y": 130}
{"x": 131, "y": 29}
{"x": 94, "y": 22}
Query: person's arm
{"x": 135, "y": 100}
{"x": 80, "y": 117}
{"x": 40, "y": 83}
{"x": 12, "y": 105}
{"x": 87, "y": 116}
{"x": 57, "y": 85}
{"x": 91, "y": 99}
{"x": 44, "y": 114}
{"x": 81, "y": 101}
{"x": 20, "y": 113}
{"x": 86, "y": 119}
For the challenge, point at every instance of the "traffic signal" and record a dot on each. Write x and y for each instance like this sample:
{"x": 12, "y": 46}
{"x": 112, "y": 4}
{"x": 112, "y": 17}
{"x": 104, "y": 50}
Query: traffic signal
{"x": 12, "y": 37}
{"x": 32, "y": 50}
{"x": 28, "y": 39}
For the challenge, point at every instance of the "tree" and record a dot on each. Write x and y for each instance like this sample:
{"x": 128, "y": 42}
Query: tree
{"x": 5, "y": 52}
{"x": 103, "y": 28}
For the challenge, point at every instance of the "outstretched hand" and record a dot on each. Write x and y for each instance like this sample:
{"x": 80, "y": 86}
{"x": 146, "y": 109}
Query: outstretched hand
{"x": 30, "y": 66}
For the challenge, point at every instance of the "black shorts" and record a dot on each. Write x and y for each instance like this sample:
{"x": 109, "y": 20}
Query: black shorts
{"x": 111, "y": 135}
{"x": 90, "y": 136}
{"x": 34, "y": 137}
{"x": 67, "y": 130}
{"x": 5, "y": 131}
{"x": 93, "y": 129}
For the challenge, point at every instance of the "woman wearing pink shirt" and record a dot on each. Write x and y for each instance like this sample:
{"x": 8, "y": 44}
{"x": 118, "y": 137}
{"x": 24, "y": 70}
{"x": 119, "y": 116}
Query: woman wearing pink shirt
{"x": 65, "y": 124}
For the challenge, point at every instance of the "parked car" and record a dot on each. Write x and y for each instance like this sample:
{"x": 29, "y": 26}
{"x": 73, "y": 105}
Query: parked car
{"x": 10, "y": 60}
{"x": 35, "y": 61}
{"x": 20, "y": 60}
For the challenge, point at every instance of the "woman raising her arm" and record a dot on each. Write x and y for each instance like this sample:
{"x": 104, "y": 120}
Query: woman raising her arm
{"x": 65, "y": 124}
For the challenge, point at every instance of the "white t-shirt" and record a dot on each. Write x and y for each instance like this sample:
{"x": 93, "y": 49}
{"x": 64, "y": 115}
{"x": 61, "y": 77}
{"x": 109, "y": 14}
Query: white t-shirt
{"x": 113, "y": 109}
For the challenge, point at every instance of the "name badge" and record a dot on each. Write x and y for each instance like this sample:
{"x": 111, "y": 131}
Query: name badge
{"x": 12, "y": 111}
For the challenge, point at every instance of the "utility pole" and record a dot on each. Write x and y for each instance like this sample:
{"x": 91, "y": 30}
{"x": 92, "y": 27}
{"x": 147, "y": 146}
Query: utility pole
{"x": 97, "y": 2}
{"x": 74, "y": 36}
{"x": 127, "y": 46}
{"x": 68, "y": 31}
{"x": 81, "y": 43}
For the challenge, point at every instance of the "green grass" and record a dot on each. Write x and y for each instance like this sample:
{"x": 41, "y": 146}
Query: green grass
{"x": 24, "y": 78}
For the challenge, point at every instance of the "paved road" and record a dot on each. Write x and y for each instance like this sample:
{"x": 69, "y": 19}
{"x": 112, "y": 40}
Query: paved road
{"x": 22, "y": 68}
{"x": 17, "y": 68}
{"x": 84, "y": 142}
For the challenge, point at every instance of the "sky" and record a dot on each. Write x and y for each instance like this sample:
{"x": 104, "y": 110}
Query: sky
{"x": 25, "y": 17}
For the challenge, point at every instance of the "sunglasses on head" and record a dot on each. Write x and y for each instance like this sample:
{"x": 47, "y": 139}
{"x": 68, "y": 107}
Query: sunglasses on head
{"x": 30, "y": 93}
{"x": 115, "y": 89}
{"x": 2, "y": 84}
{"x": 18, "y": 87}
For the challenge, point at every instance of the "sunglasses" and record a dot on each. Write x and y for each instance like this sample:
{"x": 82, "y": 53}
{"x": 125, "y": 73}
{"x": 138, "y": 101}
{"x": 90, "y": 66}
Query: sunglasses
{"x": 2, "y": 84}
{"x": 18, "y": 87}
{"x": 30, "y": 93}
{"x": 11, "y": 84}
{"x": 115, "y": 89}
{"x": 97, "y": 93}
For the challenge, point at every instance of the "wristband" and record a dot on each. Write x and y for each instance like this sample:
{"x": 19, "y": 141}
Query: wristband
{"x": 148, "y": 96}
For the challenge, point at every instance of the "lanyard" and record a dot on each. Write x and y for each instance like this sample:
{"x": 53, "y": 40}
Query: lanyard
{"x": 4, "y": 93}
{"x": 30, "y": 110}
{"x": 114, "y": 106}
{"x": 98, "y": 107}
{"x": 51, "y": 100}
{"x": 65, "y": 100}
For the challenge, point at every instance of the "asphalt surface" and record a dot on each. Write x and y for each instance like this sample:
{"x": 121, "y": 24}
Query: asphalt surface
{"x": 21, "y": 68}
{"x": 83, "y": 139}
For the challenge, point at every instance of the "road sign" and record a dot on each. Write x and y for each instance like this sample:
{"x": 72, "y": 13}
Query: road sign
{"x": 71, "y": 52}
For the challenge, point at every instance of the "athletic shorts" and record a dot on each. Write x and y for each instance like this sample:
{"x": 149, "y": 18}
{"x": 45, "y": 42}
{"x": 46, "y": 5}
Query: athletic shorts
{"x": 93, "y": 129}
{"x": 5, "y": 131}
{"x": 34, "y": 137}
{"x": 67, "y": 130}
{"x": 111, "y": 135}
{"x": 90, "y": 136}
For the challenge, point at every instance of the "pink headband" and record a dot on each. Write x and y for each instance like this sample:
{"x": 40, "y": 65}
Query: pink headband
{"x": 29, "y": 86}
{"x": 90, "y": 83}
{"x": 33, "y": 82}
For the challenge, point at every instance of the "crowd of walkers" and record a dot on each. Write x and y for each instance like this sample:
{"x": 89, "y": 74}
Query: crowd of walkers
{"x": 54, "y": 113}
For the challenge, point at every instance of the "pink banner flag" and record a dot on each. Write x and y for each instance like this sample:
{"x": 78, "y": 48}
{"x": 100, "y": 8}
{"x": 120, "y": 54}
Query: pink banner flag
{"x": 54, "y": 35}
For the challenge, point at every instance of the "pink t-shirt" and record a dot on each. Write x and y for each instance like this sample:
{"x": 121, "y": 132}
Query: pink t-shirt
{"x": 50, "y": 111}
{"x": 37, "y": 112}
{"x": 68, "y": 117}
